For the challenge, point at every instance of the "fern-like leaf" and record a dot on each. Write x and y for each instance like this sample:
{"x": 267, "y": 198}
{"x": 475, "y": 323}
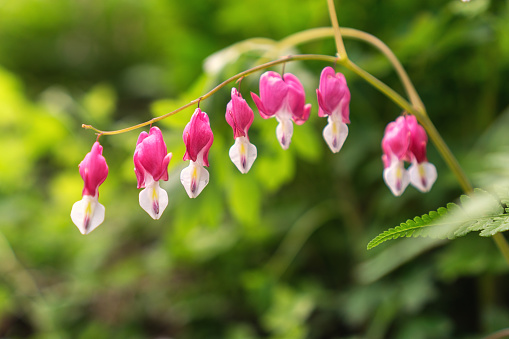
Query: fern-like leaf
{"x": 480, "y": 212}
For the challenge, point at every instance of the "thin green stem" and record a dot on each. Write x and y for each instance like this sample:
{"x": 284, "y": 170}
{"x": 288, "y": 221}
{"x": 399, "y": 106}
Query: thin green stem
{"x": 382, "y": 47}
{"x": 327, "y": 32}
{"x": 423, "y": 118}
{"x": 300, "y": 57}
{"x": 340, "y": 46}
{"x": 416, "y": 108}
{"x": 389, "y": 92}
{"x": 502, "y": 245}
{"x": 444, "y": 151}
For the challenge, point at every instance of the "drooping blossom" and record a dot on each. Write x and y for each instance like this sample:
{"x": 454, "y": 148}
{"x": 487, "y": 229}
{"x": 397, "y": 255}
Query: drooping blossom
{"x": 198, "y": 138}
{"x": 333, "y": 101}
{"x": 395, "y": 147}
{"x": 240, "y": 117}
{"x": 88, "y": 213}
{"x": 283, "y": 98}
{"x": 405, "y": 140}
{"x": 422, "y": 173}
{"x": 151, "y": 160}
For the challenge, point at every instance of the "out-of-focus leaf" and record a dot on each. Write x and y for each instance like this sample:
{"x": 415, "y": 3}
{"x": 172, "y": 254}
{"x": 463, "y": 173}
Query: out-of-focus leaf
{"x": 245, "y": 199}
{"x": 100, "y": 102}
{"x": 165, "y": 106}
{"x": 290, "y": 309}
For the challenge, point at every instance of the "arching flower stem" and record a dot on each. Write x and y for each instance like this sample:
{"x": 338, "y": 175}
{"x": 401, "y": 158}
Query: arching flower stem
{"x": 417, "y": 107}
{"x": 340, "y": 46}
{"x": 300, "y": 57}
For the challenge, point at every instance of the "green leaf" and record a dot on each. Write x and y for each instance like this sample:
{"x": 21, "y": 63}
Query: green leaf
{"x": 480, "y": 212}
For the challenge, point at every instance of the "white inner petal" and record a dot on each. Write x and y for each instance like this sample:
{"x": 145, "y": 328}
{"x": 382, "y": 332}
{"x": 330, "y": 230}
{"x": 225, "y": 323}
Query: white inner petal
{"x": 423, "y": 175}
{"x": 87, "y": 214}
{"x": 153, "y": 199}
{"x": 396, "y": 177}
{"x": 335, "y": 134}
{"x": 194, "y": 178}
{"x": 243, "y": 154}
{"x": 284, "y": 132}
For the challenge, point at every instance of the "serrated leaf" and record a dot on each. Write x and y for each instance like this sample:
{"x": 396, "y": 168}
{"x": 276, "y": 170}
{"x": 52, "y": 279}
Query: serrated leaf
{"x": 501, "y": 225}
{"x": 478, "y": 212}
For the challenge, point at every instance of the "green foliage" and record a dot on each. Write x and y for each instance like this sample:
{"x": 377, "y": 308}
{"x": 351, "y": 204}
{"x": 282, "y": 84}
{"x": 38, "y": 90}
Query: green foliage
{"x": 480, "y": 212}
{"x": 276, "y": 253}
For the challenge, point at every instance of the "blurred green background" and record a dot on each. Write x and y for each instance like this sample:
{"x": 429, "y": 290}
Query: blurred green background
{"x": 279, "y": 252}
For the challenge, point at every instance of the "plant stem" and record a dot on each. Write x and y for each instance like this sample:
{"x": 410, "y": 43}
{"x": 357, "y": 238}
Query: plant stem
{"x": 502, "y": 245}
{"x": 416, "y": 108}
{"x": 326, "y": 32}
{"x": 340, "y": 46}
{"x": 382, "y": 47}
{"x": 444, "y": 151}
{"x": 389, "y": 92}
{"x": 328, "y": 58}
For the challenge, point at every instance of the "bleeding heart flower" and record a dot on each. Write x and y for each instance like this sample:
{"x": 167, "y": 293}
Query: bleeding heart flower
{"x": 283, "y": 98}
{"x": 422, "y": 173}
{"x": 333, "y": 101}
{"x": 151, "y": 165}
{"x": 198, "y": 138}
{"x": 405, "y": 140}
{"x": 240, "y": 117}
{"x": 88, "y": 213}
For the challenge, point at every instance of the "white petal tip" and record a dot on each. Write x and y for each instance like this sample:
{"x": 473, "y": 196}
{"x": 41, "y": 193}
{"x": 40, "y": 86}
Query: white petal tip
{"x": 243, "y": 154}
{"x": 422, "y": 176}
{"x": 396, "y": 177}
{"x": 335, "y": 134}
{"x": 87, "y": 214}
{"x": 153, "y": 199}
{"x": 284, "y": 132}
{"x": 194, "y": 178}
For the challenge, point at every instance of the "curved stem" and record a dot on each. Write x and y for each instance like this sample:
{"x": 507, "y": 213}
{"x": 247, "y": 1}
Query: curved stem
{"x": 340, "y": 46}
{"x": 502, "y": 245}
{"x": 389, "y": 92}
{"x": 327, "y": 32}
{"x": 416, "y": 107}
{"x": 444, "y": 151}
{"x": 382, "y": 47}
{"x": 423, "y": 119}
{"x": 217, "y": 88}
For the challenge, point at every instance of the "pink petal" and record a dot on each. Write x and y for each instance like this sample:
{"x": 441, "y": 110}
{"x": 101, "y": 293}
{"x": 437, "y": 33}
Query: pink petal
{"x": 296, "y": 99}
{"x": 94, "y": 170}
{"x": 198, "y": 138}
{"x": 151, "y": 157}
{"x": 334, "y": 94}
{"x": 238, "y": 114}
{"x": 261, "y": 108}
{"x": 396, "y": 138}
{"x": 322, "y": 107}
{"x": 273, "y": 91}
{"x": 418, "y": 139}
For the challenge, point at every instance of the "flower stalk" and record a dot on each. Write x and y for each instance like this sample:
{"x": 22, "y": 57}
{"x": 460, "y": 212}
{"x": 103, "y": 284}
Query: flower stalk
{"x": 413, "y": 105}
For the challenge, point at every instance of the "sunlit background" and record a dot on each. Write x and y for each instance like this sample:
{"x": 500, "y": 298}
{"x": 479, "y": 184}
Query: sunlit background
{"x": 279, "y": 252}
